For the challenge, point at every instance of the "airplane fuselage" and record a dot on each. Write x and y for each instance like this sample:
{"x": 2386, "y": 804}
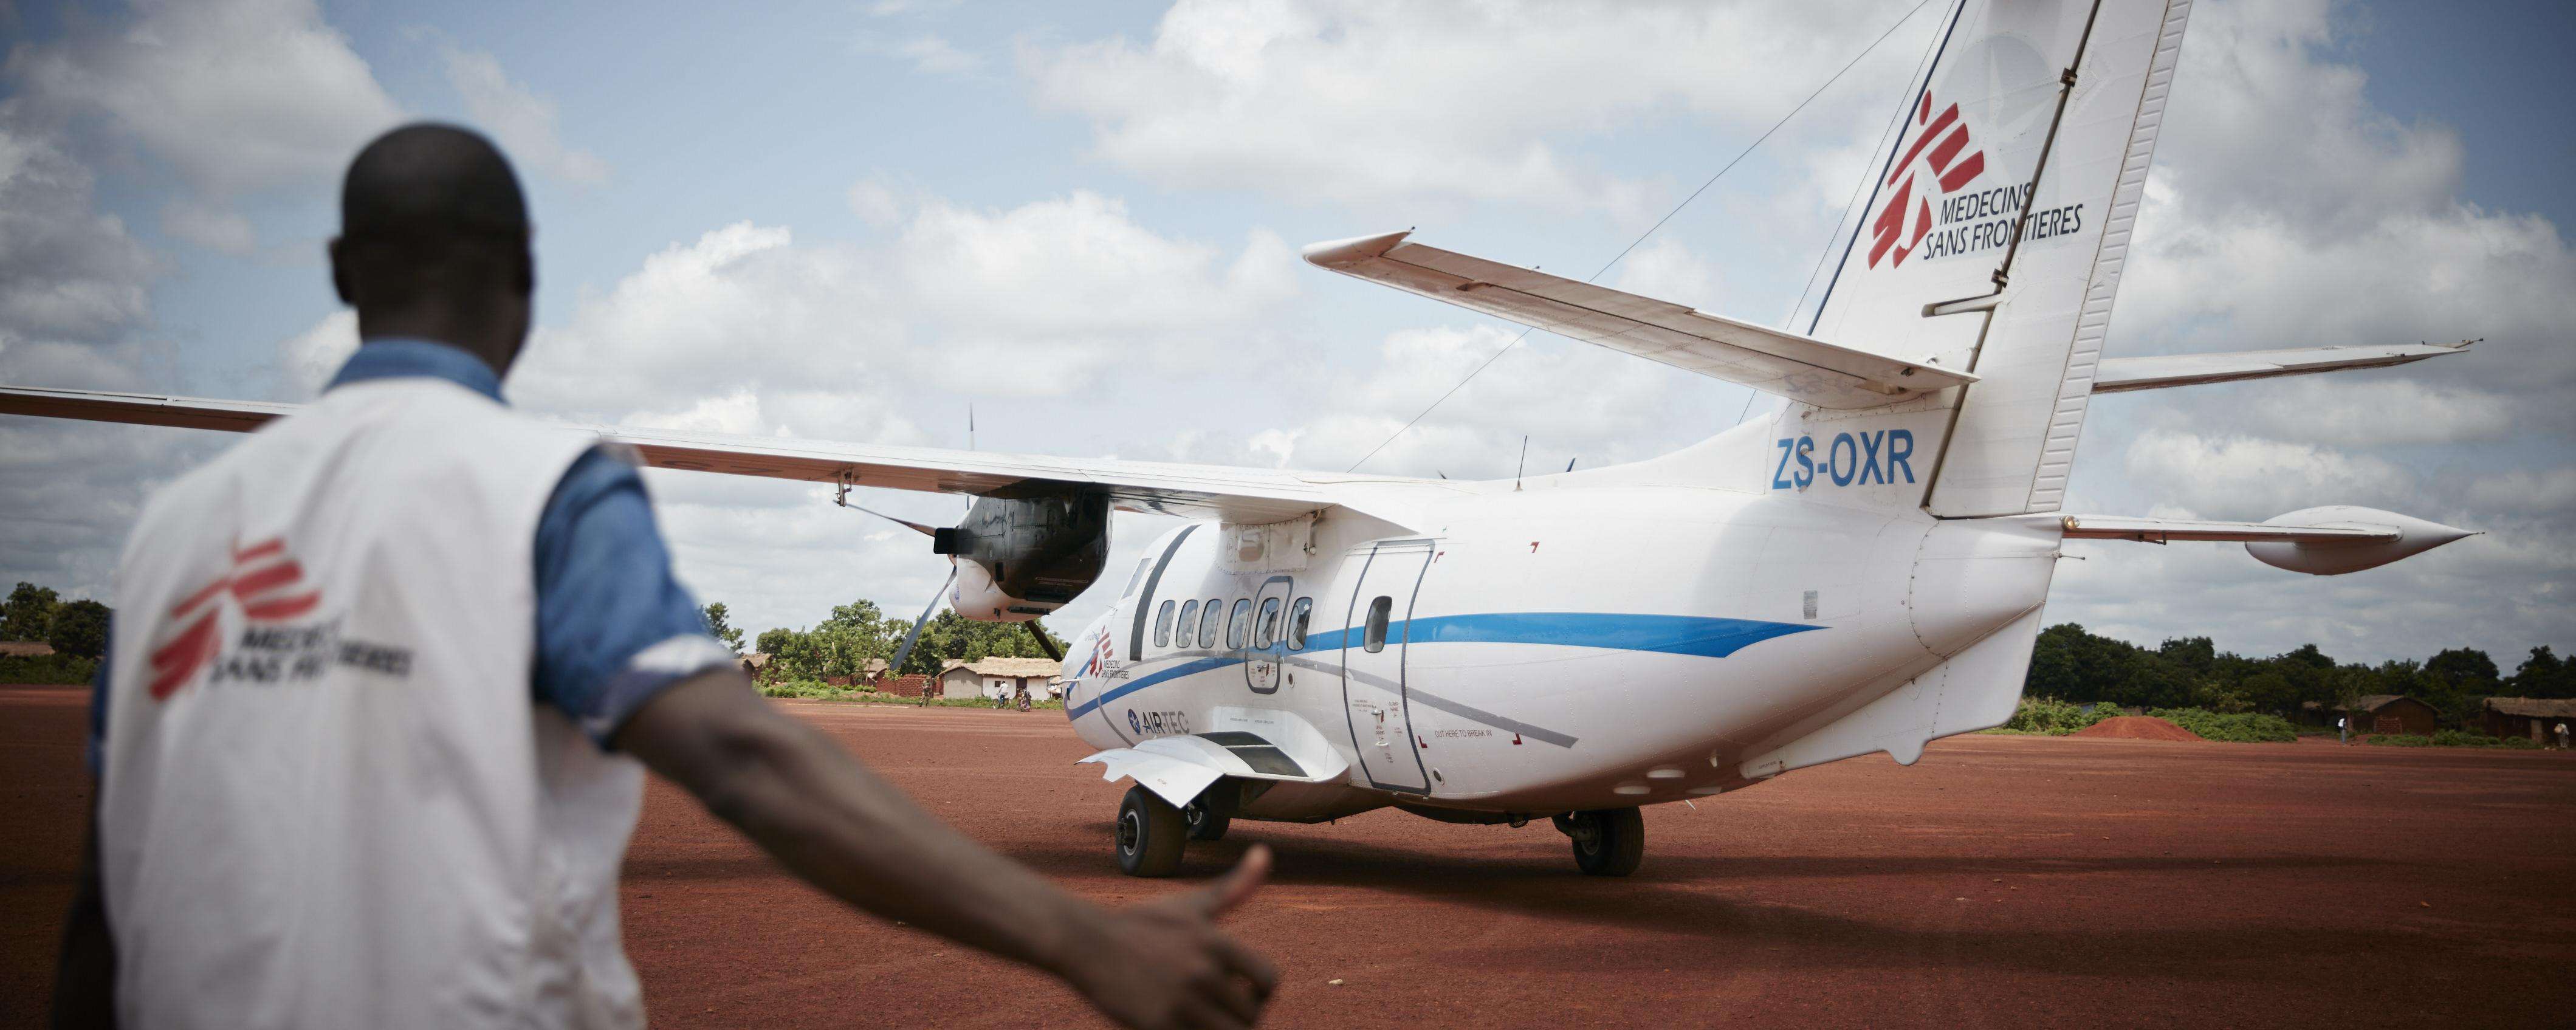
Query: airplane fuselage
{"x": 1576, "y": 643}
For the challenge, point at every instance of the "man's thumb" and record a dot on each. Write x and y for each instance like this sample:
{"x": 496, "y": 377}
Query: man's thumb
{"x": 1239, "y": 882}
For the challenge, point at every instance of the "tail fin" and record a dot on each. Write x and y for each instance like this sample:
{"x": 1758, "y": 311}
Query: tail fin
{"x": 1996, "y": 230}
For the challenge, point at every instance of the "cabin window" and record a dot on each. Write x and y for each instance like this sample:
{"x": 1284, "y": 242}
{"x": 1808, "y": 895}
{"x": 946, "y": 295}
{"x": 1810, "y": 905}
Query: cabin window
{"x": 1378, "y": 609}
{"x": 1189, "y": 622}
{"x": 1207, "y": 623}
{"x": 1298, "y": 616}
{"x": 1163, "y": 624}
{"x": 1239, "y": 623}
{"x": 1269, "y": 631}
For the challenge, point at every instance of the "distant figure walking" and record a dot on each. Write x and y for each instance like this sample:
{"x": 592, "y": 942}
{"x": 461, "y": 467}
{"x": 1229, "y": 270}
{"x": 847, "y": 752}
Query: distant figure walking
{"x": 2562, "y": 736}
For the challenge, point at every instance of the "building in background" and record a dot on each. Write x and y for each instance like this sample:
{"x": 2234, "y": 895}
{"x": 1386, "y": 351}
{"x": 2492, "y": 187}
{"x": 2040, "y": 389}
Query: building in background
{"x": 2533, "y": 718}
{"x": 2392, "y": 713}
{"x": 996, "y": 679}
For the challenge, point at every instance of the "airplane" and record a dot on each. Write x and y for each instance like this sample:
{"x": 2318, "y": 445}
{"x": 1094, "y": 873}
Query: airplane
{"x": 1864, "y": 571}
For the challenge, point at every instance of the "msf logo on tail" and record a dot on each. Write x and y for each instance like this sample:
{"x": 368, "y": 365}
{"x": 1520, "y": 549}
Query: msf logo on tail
{"x": 1948, "y": 164}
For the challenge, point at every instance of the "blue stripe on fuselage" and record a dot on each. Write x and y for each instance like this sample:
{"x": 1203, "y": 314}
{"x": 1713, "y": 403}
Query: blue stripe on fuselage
{"x": 1699, "y": 636}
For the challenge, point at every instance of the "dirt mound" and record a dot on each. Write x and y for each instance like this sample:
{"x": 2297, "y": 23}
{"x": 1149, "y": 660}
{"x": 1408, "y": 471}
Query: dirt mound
{"x": 2137, "y": 727}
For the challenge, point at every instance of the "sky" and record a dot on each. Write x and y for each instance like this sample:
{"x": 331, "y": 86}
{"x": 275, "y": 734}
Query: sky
{"x": 850, "y": 221}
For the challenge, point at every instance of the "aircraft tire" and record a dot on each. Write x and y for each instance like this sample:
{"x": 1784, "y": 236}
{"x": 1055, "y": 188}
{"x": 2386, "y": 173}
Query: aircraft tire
{"x": 1616, "y": 844}
{"x": 1204, "y": 824}
{"x": 1150, "y": 834}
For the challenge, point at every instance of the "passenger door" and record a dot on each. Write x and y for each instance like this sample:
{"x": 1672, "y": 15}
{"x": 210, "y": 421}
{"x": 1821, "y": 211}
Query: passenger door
{"x": 1377, "y": 611}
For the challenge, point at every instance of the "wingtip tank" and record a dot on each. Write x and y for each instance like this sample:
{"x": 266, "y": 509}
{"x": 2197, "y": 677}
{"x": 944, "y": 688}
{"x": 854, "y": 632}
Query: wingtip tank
{"x": 2336, "y": 557}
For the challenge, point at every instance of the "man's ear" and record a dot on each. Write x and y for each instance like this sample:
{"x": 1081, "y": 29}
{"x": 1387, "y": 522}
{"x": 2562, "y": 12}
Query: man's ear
{"x": 339, "y": 275}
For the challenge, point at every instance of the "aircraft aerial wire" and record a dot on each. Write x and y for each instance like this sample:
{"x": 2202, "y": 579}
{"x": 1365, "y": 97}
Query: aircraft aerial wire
{"x": 1659, "y": 224}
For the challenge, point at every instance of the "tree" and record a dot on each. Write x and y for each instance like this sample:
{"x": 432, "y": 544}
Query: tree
{"x": 2544, "y": 674}
{"x": 723, "y": 630}
{"x": 29, "y": 611}
{"x": 79, "y": 628}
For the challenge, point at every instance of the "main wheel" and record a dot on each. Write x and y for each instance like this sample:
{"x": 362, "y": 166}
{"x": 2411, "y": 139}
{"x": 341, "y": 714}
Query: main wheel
{"x": 1204, "y": 824}
{"x": 1608, "y": 842}
{"x": 1150, "y": 834}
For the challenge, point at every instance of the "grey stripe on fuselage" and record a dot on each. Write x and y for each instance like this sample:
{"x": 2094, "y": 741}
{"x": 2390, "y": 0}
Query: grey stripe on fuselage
{"x": 1469, "y": 712}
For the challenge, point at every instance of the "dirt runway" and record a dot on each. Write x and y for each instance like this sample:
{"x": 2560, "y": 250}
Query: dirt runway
{"x": 2003, "y": 881}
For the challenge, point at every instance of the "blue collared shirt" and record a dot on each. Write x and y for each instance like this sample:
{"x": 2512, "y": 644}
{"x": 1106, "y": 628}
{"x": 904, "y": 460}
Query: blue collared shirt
{"x": 605, "y": 592}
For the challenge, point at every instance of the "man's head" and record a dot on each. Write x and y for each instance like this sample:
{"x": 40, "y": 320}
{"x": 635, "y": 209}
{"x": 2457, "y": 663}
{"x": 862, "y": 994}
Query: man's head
{"x": 434, "y": 242}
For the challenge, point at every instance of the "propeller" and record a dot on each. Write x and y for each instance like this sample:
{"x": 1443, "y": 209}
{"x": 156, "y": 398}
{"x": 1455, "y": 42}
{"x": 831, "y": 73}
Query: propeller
{"x": 1046, "y": 644}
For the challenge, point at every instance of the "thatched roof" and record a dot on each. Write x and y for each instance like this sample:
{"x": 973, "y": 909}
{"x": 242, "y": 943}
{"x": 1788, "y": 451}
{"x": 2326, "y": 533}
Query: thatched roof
{"x": 2535, "y": 707}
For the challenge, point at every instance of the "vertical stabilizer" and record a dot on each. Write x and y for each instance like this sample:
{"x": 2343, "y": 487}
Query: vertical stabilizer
{"x": 1997, "y": 228}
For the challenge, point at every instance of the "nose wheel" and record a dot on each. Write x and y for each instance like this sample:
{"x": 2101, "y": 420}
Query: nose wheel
{"x": 1608, "y": 841}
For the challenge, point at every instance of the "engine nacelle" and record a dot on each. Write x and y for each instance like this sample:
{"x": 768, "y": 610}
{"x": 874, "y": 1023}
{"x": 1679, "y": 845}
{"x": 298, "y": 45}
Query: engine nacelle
{"x": 1021, "y": 557}
{"x": 2414, "y": 536}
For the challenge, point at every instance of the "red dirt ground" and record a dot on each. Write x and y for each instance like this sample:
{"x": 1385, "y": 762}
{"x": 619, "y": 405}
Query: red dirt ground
{"x": 2137, "y": 727}
{"x": 2003, "y": 881}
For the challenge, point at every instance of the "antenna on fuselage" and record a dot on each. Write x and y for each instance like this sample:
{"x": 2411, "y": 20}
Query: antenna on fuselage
{"x": 1524, "y": 463}
{"x": 970, "y": 425}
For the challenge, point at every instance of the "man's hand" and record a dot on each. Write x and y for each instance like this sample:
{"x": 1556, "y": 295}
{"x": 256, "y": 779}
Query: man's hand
{"x": 1164, "y": 964}
{"x": 841, "y": 828}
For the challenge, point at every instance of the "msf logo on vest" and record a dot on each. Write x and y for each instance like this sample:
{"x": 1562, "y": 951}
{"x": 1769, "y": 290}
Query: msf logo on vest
{"x": 267, "y": 586}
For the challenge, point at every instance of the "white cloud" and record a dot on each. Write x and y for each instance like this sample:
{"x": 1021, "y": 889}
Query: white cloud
{"x": 67, "y": 270}
{"x": 521, "y": 121}
{"x": 237, "y": 95}
{"x": 2289, "y": 210}
{"x": 1349, "y": 101}
{"x": 309, "y": 358}
{"x": 213, "y": 228}
{"x": 932, "y": 55}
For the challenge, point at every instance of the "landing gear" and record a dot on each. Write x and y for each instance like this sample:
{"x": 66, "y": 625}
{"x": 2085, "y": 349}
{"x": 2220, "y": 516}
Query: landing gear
{"x": 1205, "y": 824}
{"x": 1150, "y": 834}
{"x": 1607, "y": 842}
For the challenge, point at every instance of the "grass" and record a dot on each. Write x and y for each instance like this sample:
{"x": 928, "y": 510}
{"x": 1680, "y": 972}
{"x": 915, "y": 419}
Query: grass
{"x": 52, "y": 668}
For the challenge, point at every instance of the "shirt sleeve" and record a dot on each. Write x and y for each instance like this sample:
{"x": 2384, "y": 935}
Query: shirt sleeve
{"x": 614, "y": 626}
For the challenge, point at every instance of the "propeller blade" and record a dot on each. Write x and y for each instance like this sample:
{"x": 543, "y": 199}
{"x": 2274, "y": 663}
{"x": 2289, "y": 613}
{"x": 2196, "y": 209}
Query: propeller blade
{"x": 905, "y": 523}
{"x": 1045, "y": 643}
{"x": 895, "y": 667}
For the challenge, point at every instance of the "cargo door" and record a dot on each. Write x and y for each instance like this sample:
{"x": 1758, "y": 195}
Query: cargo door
{"x": 1379, "y": 611}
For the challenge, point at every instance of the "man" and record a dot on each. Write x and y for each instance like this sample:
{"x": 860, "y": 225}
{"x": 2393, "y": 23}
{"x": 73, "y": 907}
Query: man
{"x": 364, "y": 731}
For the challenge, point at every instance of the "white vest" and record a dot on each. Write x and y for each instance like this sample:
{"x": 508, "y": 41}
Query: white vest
{"x": 343, "y": 808}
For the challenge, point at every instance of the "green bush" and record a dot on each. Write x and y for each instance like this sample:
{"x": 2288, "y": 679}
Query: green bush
{"x": 2461, "y": 738}
{"x": 2051, "y": 717}
{"x": 2519, "y": 744}
{"x": 52, "y": 668}
{"x": 2236, "y": 728}
{"x": 2398, "y": 740}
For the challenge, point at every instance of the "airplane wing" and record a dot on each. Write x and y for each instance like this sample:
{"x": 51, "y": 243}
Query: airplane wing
{"x": 2118, "y": 375}
{"x": 2157, "y": 531}
{"x": 1797, "y": 367}
{"x": 1236, "y": 495}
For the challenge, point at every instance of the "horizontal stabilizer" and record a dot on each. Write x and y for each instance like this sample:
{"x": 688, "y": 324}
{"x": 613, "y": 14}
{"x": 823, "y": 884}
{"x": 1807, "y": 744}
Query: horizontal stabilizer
{"x": 1793, "y": 366}
{"x": 2119, "y": 375}
{"x": 2326, "y": 541}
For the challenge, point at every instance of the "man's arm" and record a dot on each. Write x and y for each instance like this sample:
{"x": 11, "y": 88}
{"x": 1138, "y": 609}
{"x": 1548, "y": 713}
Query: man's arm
{"x": 834, "y": 823}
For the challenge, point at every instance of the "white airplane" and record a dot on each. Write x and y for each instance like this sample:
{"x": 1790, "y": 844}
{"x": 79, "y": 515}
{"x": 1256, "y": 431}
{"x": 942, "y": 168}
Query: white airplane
{"x": 1862, "y": 572}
